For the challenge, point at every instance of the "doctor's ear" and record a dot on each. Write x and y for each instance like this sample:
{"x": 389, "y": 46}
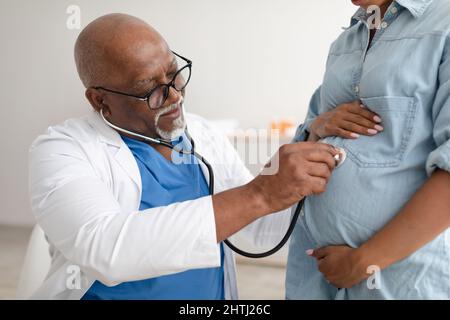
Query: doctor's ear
{"x": 96, "y": 99}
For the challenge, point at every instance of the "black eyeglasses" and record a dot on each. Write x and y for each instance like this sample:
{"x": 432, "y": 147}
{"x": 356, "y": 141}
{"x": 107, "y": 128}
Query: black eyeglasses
{"x": 159, "y": 94}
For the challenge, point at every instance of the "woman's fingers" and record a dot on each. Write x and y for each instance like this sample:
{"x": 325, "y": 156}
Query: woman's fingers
{"x": 360, "y": 109}
{"x": 348, "y": 121}
{"x": 356, "y": 128}
{"x": 354, "y": 120}
{"x": 364, "y": 122}
{"x": 346, "y": 134}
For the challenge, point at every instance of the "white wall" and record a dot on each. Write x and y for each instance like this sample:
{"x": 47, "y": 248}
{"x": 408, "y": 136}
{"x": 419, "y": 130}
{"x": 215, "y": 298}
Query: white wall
{"x": 254, "y": 60}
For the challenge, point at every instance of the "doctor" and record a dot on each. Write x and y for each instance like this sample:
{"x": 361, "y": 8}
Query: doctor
{"x": 138, "y": 222}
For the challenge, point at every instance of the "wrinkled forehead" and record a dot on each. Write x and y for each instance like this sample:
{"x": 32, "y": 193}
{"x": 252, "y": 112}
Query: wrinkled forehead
{"x": 149, "y": 54}
{"x": 140, "y": 56}
{"x": 150, "y": 66}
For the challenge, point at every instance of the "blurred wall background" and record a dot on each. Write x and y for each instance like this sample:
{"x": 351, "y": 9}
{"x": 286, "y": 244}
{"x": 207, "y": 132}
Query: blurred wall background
{"x": 254, "y": 61}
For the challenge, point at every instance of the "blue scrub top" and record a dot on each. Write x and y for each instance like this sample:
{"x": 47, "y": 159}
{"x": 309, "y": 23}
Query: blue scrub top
{"x": 163, "y": 183}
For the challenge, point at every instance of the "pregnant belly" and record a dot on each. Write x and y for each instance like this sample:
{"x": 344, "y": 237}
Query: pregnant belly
{"x": 359, "y": 201}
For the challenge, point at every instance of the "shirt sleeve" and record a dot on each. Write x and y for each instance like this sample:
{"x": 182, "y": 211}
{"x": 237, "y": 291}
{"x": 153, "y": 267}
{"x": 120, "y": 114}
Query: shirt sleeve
{"x": 313, "y": 111}
{"x": 440, "y": 157}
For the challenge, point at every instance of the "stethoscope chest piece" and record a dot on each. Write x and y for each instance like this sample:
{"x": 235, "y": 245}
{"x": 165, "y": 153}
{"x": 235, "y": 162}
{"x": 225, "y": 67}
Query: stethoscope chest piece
{"x": 340, "y": 158}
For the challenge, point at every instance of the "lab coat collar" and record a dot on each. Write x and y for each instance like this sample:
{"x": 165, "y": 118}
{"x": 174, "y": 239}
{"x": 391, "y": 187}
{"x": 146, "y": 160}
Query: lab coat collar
{"x": 416, "y": 7}
{"x": 106, "y": 133}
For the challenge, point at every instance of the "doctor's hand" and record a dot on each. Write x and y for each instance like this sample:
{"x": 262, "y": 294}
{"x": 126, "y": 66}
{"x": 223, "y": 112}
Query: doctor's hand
{"x": 342, "y": 266}
{"x": 297, "y": 170}
{"x": 348, "y": 120}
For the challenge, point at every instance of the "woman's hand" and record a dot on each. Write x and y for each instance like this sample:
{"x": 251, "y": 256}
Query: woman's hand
{"x": 348, "y": 120}
{"x": 342, "y": 266}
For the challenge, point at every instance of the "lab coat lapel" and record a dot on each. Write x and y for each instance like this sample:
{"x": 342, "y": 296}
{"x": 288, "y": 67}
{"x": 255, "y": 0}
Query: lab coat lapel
{"x": 123, "y": 155}
{"x": 128, "y": 163}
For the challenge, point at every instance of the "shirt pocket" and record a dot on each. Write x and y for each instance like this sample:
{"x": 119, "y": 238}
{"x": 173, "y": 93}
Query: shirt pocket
{"x": 387, "y": 148}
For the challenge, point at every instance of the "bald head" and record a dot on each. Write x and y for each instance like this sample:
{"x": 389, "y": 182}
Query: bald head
{"x": 108, "y": 49}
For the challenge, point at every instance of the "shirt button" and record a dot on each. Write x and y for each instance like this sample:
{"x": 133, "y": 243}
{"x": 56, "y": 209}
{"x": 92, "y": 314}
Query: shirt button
{"x": 394, "y": 10}
{"x": 356, "y": 89}
{"x": 384, "y": 24}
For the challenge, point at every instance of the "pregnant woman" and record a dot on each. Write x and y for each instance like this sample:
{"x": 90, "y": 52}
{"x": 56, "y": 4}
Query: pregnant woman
{"x": 380, "y": 231}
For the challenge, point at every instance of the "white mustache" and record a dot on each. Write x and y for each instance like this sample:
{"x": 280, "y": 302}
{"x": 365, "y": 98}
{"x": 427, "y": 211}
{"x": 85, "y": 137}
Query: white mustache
{"x": 167, "y": 109}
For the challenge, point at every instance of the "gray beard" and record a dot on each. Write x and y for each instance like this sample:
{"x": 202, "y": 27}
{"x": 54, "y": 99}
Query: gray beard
{"x": 179, "y": 124}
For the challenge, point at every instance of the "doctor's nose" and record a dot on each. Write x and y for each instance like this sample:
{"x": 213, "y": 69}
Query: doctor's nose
{"x": 173, "y": 96}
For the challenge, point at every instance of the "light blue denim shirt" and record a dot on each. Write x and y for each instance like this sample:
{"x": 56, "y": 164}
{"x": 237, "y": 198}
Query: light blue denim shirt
{"x": 404, "y": 76}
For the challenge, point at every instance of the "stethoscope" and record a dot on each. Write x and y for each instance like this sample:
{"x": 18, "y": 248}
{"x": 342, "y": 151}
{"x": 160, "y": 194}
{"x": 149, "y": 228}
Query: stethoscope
{"x": 168, "y": 144}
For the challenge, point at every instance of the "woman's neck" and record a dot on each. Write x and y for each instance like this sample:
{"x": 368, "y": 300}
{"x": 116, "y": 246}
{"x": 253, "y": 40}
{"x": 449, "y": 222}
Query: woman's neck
{"x": 384, "y": 7}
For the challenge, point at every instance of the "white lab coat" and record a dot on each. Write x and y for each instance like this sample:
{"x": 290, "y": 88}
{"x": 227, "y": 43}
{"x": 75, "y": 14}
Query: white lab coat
{"x": 85, "y": 193}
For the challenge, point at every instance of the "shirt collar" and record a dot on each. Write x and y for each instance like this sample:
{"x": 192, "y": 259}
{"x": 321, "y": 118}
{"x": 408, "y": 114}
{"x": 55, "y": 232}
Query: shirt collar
{"x": 415, "y": 7}
{"x": 360, "y": 14}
